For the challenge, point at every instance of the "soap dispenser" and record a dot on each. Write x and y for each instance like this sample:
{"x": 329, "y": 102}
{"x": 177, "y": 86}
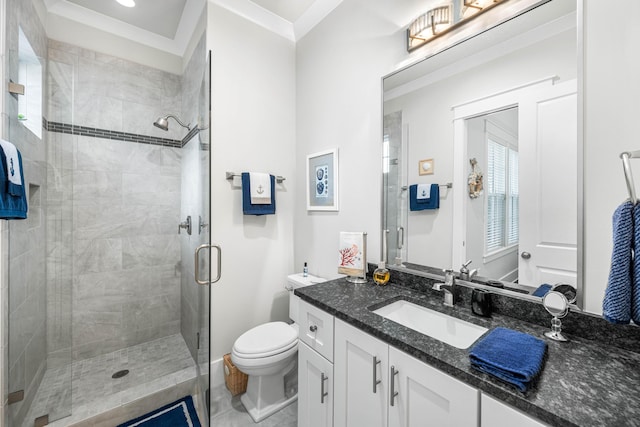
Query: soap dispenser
{"x": 381, "y": 275}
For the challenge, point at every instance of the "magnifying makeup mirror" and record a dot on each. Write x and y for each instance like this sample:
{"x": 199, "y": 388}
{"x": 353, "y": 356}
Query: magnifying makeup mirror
{"x": 557, "y": 305}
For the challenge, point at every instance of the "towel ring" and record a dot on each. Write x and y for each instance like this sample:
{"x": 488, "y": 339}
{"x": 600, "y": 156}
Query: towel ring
{"x": 628, "y": 176}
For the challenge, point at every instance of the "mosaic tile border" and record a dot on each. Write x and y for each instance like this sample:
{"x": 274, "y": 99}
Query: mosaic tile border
{"x": 115, "y": 135}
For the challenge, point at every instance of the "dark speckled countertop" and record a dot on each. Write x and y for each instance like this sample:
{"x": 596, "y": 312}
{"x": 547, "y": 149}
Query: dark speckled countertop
{"x": 584, "y": 382}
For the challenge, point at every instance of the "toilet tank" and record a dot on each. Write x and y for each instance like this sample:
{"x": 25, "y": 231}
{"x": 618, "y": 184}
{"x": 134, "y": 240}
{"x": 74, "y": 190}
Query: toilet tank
{"x": 295, "y": 281}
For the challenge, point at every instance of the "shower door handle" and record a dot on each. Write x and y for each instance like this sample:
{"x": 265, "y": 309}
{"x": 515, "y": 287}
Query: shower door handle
{"x": 197, "y": 264}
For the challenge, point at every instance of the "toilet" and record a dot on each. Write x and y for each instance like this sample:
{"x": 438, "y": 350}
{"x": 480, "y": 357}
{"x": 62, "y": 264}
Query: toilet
{"x": 266, "y": 353}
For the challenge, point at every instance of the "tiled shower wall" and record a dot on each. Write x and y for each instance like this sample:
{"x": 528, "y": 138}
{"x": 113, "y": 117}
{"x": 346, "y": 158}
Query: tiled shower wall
{"x": 26, "y": 312}
{"x": 125, "y": 197}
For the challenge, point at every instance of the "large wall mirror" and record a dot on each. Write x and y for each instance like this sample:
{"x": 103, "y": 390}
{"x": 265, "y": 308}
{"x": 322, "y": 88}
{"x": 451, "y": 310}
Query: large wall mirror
{"x": 492, "y": 122}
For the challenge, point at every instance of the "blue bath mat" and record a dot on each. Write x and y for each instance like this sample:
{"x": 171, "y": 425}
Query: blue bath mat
{"x": 180, "y": 413}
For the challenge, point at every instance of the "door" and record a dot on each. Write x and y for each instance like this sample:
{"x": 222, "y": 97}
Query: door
{"x": 360, "y": 368}
{"x": 428, "y": 397}
{"x": 202, "y": 233}
{"x": 548, "y": 202}
{"x": 315, "y": 389}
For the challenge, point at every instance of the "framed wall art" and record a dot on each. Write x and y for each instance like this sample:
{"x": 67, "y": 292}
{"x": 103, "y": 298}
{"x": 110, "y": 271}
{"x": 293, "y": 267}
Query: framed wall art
{"x": 322, "y": 181}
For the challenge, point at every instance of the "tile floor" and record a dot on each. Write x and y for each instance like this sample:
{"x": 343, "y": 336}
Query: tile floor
{"x": 161, "y": 364}
{"x": 227, "y": 411}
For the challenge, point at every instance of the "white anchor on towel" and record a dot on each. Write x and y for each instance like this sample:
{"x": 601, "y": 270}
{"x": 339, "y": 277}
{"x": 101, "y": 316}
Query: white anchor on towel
{"x": 424, "y": 193}
{"x": 260, "y": 189}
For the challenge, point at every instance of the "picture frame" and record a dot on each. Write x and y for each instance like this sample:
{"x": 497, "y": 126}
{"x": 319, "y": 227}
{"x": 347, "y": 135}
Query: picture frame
{"x": 425, "y": 167}
{"x": 352, "y": 256}
{"x": 322, "y": 181}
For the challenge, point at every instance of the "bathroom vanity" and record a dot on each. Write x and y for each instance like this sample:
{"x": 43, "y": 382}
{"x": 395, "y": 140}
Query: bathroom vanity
{"x": 358, "y": 368}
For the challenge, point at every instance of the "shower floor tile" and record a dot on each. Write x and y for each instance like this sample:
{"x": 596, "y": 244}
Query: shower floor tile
{"x": 153, "y": 366}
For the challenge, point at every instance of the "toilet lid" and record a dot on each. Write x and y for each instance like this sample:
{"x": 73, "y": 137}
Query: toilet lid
{"x": 266, "y": 340}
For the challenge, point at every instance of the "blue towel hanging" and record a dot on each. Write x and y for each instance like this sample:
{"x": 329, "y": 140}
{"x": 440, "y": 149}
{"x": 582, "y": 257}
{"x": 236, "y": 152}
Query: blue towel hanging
{"x": 616, "y": 306}
{"x": 635, "y": 282}
{"x": 433, "y": 202}
{"x": 511, "y": 356}
{"x": 250, "y": 209}
{"x": 13, "y": 198}
{"x": 542, "y": 290}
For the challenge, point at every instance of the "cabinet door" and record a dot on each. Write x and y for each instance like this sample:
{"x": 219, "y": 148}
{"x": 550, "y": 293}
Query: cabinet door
{"x": 360, "y": 361}
{"x": 429, "y": 397}
{"x": 315, "y": 389}
{"x": 496, "y": 414}
{"x": 316, "y": 329}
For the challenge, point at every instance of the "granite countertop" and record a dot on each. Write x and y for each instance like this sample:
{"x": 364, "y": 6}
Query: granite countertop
{"x": 583, "y": 382}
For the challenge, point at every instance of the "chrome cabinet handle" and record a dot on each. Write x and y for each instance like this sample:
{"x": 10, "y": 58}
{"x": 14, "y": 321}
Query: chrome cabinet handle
{"x": 313, "y": 328}
{"x": 376, "y": 381}
{"x": 525, "y": 255}
{"x": 323, "y": 393}
{"x": 394, "y": 393}
{"x": 197, "y": 264}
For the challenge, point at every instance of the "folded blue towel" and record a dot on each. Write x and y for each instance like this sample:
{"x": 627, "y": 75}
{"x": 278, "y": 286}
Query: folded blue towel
{"x": 542, "y": 290}
{"x": 512, "y": 356}
{"x": 433, "y": 202}
{"x": 616, "y": 306}
{"x": 250, "y": 209}
{"x": 13, "y": 198}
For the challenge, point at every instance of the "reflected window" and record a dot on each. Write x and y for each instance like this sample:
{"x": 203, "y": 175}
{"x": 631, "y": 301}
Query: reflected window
{"x": 502, "y": 195}
{"x": 30, "y": 76}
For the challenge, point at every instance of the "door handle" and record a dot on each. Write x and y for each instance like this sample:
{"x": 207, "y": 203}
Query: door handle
{"x": 525, "y": 255}
{"x": 197, "y": 264}
{"x": 400, "y": 238}
{"x": 393, "y": 393}
{"x": 376, "y": 381}
{"x": 323, "y": 393}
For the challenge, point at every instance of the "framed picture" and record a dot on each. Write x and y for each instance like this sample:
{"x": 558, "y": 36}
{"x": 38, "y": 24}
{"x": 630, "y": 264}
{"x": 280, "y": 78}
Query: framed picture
{"x": 425, "y": 167}
{"x": 322, "y": 181}
{"x": 352, "y": 256}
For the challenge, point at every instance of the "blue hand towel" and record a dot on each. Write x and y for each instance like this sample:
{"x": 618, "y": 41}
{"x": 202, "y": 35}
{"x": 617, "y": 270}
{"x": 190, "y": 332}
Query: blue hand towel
{"x": 250, "y": 209}
{"x": 13, "y": 198}
{"x": 616, "y": 306}
{"x": 542, "y": 290}
{"x": 433, "y": 202}
{"x": 635, "y": 284}
{"x": 512, "y": 356}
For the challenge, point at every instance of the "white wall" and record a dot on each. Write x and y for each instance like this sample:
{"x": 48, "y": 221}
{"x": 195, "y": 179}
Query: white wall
{"x": 611, "y": 92}
{"x": 253, "y": 129}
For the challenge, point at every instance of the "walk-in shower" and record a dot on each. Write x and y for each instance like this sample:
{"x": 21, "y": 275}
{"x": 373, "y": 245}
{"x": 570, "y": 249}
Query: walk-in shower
{"x": 105, "y": 319}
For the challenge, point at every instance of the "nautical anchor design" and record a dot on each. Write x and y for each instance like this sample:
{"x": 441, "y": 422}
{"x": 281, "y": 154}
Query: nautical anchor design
{"x": 260, "y": 190}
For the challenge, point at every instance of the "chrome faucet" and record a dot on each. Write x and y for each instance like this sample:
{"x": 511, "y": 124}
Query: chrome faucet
{"x": 465, "y": 274}
{"x": 448, "y": 287}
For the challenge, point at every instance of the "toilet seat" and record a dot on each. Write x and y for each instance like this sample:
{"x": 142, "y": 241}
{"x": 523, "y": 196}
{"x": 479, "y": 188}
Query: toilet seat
{"x": 268, "y": 339}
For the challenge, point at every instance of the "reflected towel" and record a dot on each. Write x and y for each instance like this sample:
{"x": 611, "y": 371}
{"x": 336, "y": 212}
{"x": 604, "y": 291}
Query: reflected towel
{"x": 616, "y": 306}
{"x": 257, "y": 209}
{"x": 635, "y": 284}
{"x": 12, "y": 206}
{"x": 433, "y": 202}
{"x": 542, "y": 290}
{"x": 13, "y": 168}
{"x": 511, "y": 356}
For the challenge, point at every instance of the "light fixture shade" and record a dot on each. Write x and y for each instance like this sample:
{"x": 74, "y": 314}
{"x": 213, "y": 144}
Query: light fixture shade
{"x": 127, "y": 3}
{"x": 428, "y": 25}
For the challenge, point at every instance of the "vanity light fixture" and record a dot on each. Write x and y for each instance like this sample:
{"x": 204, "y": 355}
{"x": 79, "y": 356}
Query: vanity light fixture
{"x": 442, "y": 19}
{"x": 127, "y": 3}
{"x": 428, "y": 25}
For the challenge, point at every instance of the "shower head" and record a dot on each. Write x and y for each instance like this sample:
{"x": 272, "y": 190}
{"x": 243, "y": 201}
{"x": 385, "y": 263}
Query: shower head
{"x": 163, "y": 122}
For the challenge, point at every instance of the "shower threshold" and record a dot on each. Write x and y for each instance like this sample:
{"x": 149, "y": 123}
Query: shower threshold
{"x": 159, "y": 371}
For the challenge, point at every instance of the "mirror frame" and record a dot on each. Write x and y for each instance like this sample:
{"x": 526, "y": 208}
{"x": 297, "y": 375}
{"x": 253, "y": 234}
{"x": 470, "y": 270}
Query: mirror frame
{"x": 433, "y": 272}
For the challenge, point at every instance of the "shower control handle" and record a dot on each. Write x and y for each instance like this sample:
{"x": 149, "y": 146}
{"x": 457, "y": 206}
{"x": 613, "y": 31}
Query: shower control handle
{"x": 186, "y": 224}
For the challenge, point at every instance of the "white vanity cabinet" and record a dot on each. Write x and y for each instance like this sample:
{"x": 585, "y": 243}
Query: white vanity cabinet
{"x": 315, "y": 388}
{"x": 369, "y": 372}
{"x": 315, "y": 367}
{"x": 497, "y": 414}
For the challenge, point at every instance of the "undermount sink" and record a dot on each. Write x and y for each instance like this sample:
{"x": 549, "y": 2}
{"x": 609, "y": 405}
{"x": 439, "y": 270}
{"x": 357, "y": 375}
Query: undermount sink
{"x": 445, "y": 328}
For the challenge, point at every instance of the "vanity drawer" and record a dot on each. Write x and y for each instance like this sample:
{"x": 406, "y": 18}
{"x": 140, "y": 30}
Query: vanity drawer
{"x": 316, "y": 329}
